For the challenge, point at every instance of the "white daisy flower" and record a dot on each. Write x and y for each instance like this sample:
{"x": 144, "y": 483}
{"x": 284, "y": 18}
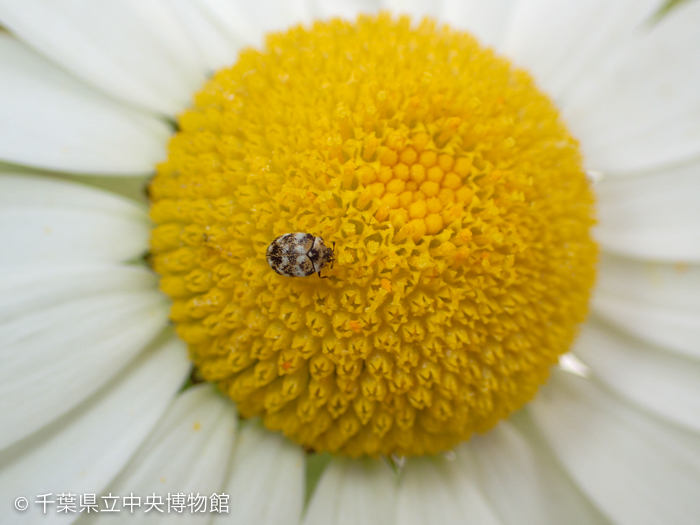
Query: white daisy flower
{"x": 94, "y": 394}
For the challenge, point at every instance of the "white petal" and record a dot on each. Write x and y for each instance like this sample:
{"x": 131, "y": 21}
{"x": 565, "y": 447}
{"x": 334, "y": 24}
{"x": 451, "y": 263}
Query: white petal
{"x": 347, "y": 9}
{"x": 658, "y": 303}
{"x": 487, "y": 21}
{"x": 425, "y": 495}
{"x": 227, "y": 16}
{"x": 566, "y": 503}
{"x": 24, "y": 190}
{"x": 187, "y": 453}
{"x": 636, "y": 468}
{"x": 215, "y": 43}
{"x": 70, "y": 227}
{"x": 649, "y": 323}
{"x": 559, "y": 42}
{"x": 41, "y": 236}
{"x": 353, "y": 492}
{"x": 662, "y": 382}
{"x": 84, "y": 450}
{"x": 641, "y": 109}
{"x": 50, "y": 120}
{"x": 132, "y": 188}
{"x": 670, "y": 286}
{"x": 508, "y": 472}
{"x": 435, "y": 490}
{"x": 134, "y": 50}
{"x": 655, "y": 216}
{"x": 266, "y": 484}
{"x": 417, "y": 9}
{"x": 266, "y": 16}
{"x": 31, "y": 290}
{"x": 47, "y": 348}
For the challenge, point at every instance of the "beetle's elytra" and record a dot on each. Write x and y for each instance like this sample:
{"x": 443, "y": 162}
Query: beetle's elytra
{"x": 298, "y": 255}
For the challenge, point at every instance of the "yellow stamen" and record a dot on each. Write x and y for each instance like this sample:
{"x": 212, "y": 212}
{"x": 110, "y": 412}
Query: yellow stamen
{"x": 460, "y": 215}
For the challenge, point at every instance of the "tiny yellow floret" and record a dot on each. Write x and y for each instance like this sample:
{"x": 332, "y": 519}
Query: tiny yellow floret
{"x": 459, "y": 213}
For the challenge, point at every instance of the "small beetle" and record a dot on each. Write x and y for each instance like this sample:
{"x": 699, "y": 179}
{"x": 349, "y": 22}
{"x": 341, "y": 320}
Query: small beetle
{"x": 298, "y": 255}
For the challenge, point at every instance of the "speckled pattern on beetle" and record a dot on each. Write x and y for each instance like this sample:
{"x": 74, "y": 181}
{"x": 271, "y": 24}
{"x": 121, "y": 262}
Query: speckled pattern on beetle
{"x": 298, "y": 255}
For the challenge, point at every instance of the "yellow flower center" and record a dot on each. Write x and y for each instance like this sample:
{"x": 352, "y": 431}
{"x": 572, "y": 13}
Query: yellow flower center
{"x": 458, "y": 210}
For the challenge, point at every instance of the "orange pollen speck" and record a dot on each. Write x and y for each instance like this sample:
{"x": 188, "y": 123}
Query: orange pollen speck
{"x": 355, "y": 325}
{"x": 457, "y": 208}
